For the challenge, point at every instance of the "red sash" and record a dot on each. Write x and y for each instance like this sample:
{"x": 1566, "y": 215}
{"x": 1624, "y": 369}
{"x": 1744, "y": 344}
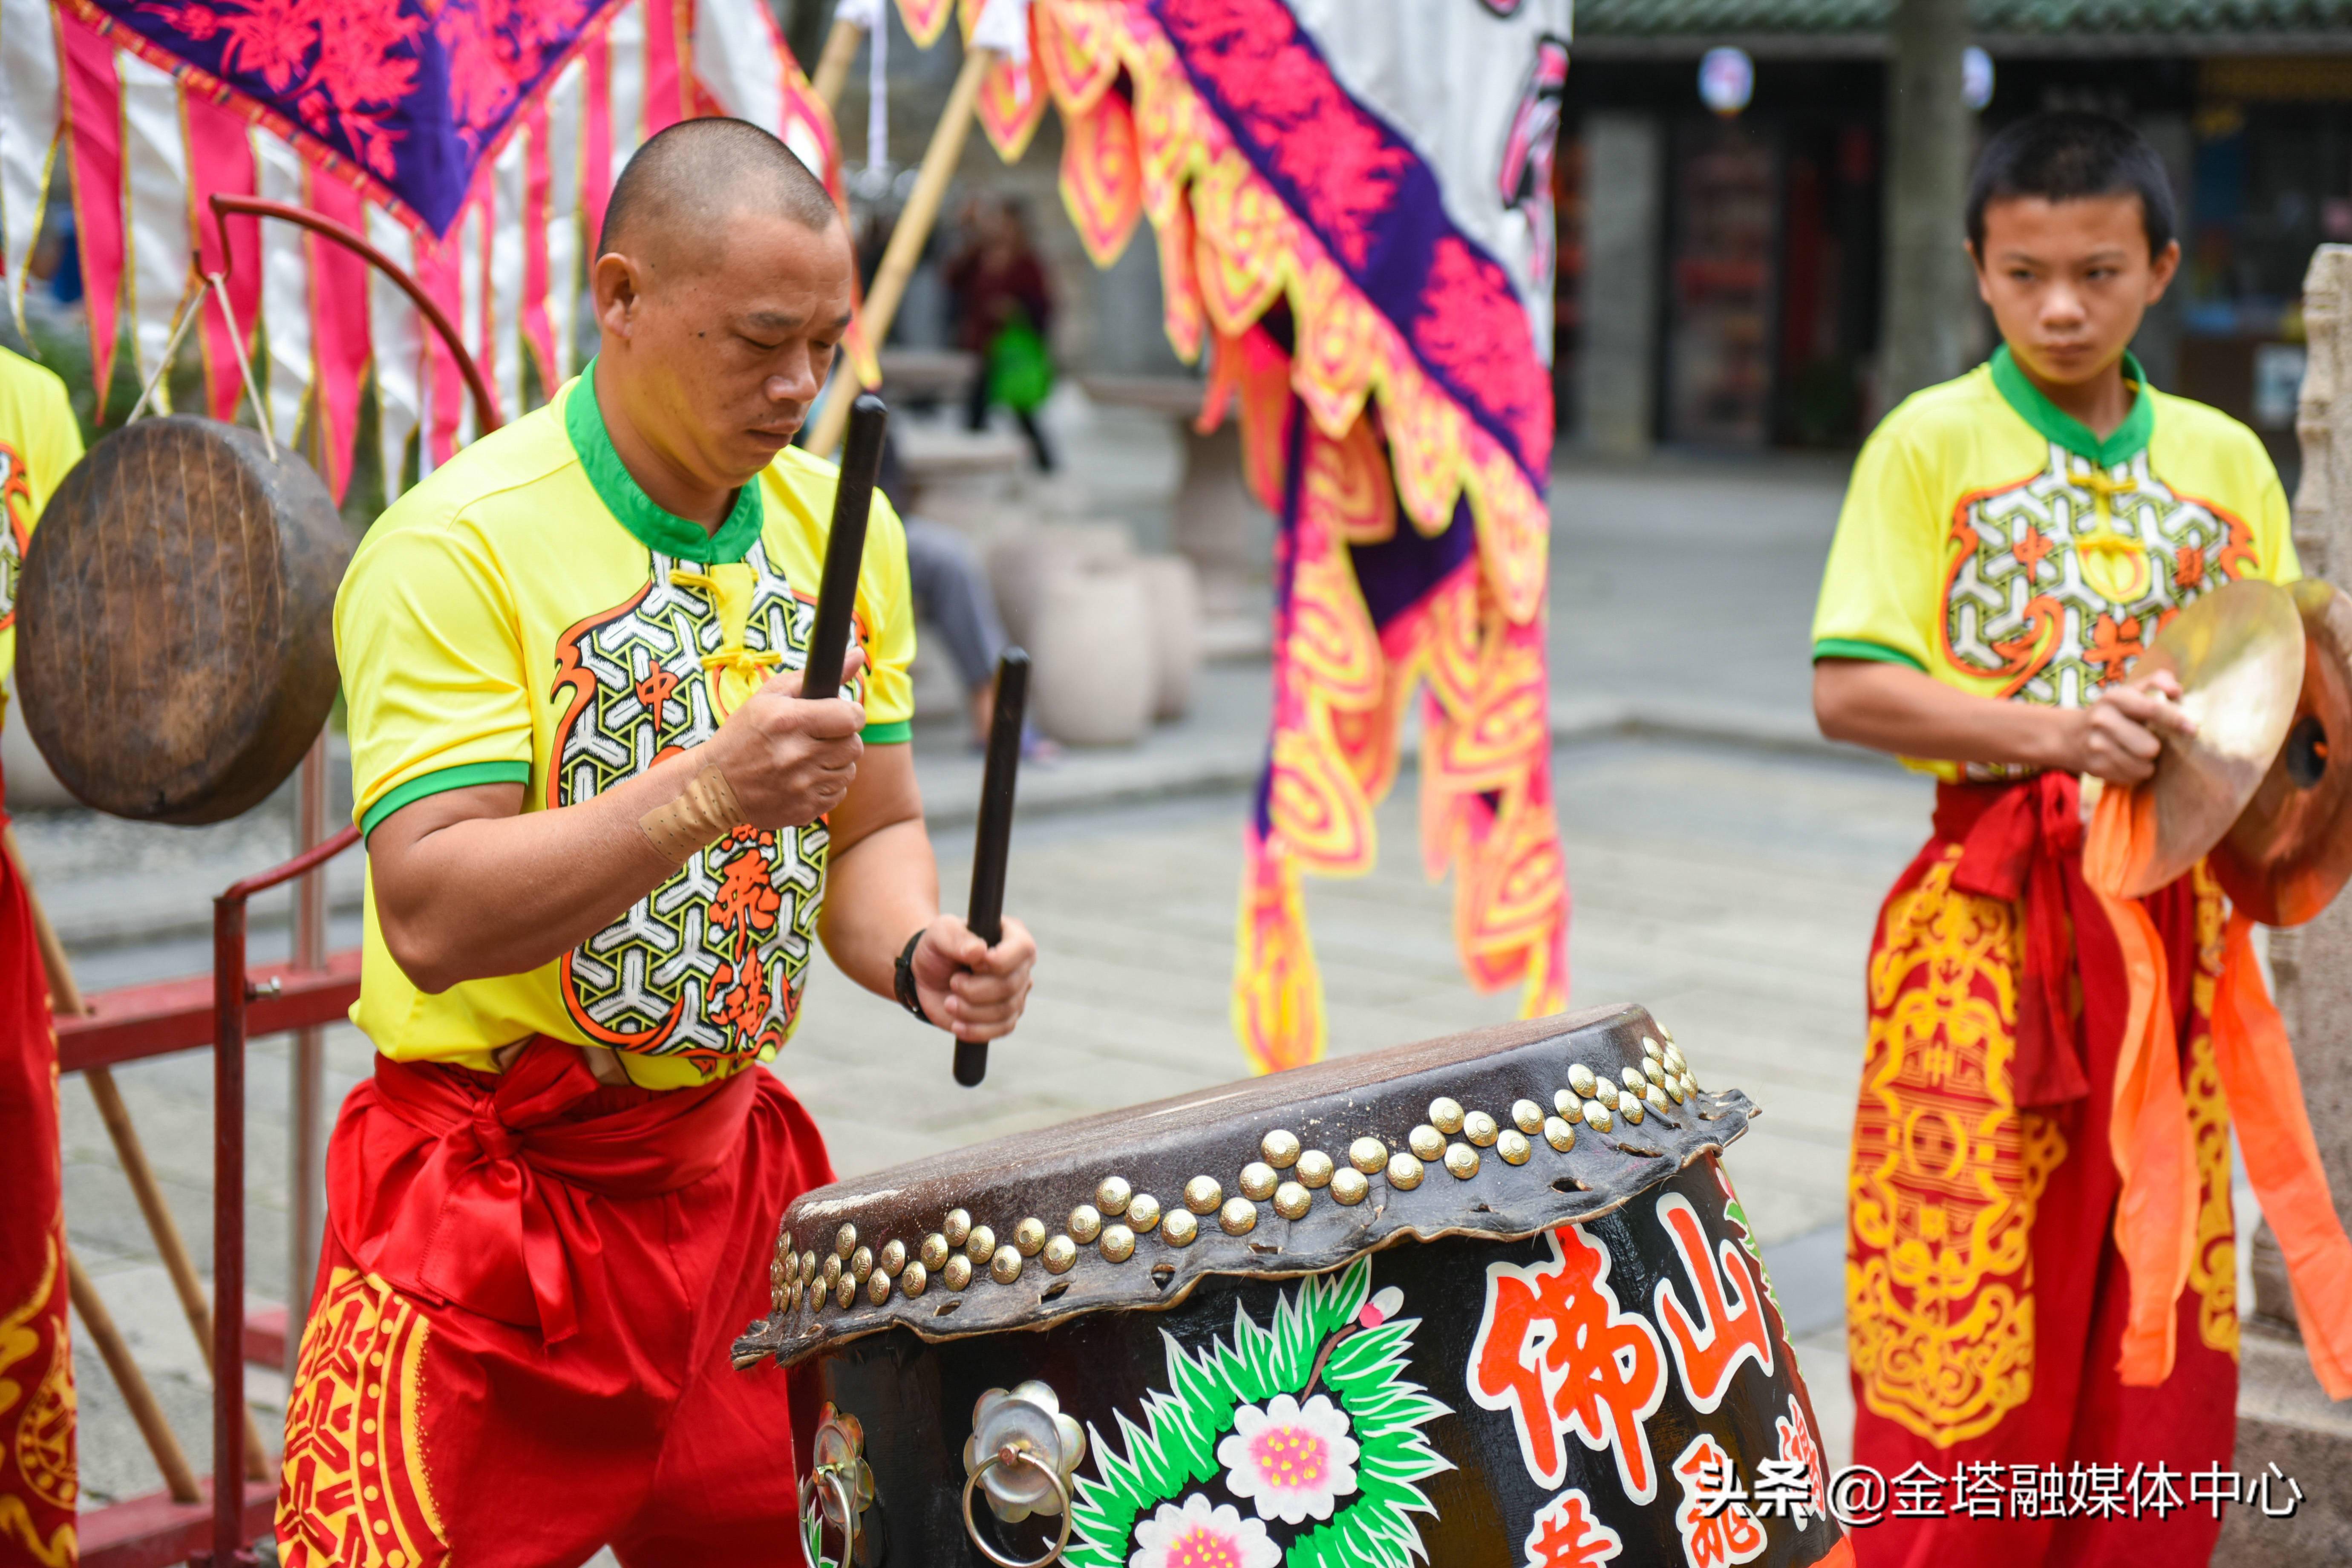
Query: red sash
{"x": 2021, "y": 842}
{"x": 475, "y": 1188}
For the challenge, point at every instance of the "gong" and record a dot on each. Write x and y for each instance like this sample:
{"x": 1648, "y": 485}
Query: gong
{"x": 175, "y": 648}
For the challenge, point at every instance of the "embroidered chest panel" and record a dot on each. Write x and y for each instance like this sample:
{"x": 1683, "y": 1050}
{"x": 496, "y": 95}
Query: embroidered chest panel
{"x": 2053, "y": 585}
{"x": 709, "y": 966}
{"x": 15, "y": 528}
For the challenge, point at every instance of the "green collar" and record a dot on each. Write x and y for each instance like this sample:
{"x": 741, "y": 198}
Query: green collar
{"x": 2055, "y": 424}
{"x": 652, "y": 526}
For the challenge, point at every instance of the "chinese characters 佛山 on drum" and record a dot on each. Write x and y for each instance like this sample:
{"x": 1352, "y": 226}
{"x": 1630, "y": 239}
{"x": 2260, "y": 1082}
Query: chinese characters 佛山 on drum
{"x": 1489, "y": 1300}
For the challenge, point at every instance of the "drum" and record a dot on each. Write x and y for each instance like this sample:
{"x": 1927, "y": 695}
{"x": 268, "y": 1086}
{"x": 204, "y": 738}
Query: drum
{"x": 175, "y": 651}
{"x": 1485, "y": 1301}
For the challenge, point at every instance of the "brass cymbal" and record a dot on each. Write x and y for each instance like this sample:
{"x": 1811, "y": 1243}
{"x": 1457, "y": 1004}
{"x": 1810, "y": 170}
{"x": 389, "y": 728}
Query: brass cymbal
{"x": 2290, "y": 852}
{"x": 2238, "y": 654}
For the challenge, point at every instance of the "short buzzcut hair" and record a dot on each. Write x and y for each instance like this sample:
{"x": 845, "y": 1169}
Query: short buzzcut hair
{"x": 688, "y": 177}
{"x": 2067, "y": 155}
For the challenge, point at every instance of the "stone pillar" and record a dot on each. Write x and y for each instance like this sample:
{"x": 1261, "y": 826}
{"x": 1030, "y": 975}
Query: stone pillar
{"x": 2283, "y": 1413}
{"x": 1928, "y": 283}
{"x": 1617, "y": 358}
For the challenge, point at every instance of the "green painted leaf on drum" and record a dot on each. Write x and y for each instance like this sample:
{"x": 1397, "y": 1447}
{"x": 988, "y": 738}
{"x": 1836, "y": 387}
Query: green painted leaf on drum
{"x": 1172, "y": 1454}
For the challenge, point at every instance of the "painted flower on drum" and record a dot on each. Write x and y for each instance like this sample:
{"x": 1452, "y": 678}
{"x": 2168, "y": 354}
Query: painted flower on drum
{"x": 1198, "y": 1535}
{"x": 1290, "y": 1460}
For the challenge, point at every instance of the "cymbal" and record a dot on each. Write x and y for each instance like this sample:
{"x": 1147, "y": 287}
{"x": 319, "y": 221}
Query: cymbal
{"x": 2290, "y": 852}
{"x": 2238, "y": 654}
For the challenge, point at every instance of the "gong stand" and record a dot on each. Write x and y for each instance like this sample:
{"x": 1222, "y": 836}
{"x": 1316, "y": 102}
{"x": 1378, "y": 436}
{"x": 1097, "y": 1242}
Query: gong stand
{"x": 191, "y": 1518}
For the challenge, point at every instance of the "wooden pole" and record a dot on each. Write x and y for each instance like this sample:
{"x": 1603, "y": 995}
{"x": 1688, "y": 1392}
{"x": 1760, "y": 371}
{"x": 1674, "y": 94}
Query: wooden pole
{"x": 907, "y": 240}
{"x": 160, "y": 1442}
{"x": 833, "y": 66}
{"x": 65, "y": 999}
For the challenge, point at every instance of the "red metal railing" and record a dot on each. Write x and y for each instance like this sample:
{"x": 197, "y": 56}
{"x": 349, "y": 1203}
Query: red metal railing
{"x": 222, "y": 1012}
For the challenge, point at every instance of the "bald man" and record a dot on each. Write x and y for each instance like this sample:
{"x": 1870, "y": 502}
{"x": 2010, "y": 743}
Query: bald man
{"x": 604, "y": 834}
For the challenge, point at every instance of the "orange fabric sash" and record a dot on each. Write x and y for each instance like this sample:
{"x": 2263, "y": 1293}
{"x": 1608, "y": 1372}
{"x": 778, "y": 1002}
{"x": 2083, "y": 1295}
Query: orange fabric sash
{"x": 2154, "y": 1151}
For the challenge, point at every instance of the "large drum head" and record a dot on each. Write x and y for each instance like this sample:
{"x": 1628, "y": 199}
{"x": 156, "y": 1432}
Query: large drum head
{"x": 175, "y": 650}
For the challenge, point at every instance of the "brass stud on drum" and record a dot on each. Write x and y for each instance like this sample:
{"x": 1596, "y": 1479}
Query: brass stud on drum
{"x": 1085, "y": 1223}
{"x": 1368, "y": 1154}
{"x": 1630, "y": 1108}
{"x": 894, "y": 1258}
{"x": 845, "y": 1242}
{"x": 832, "y": 1270}
{"x": 1029, "y": 1236}
{"x": 1653, "y": 1072}
{"x": 1446, "y": 1114}
{"x": 1558, "y": 1133}
{"x": 1349, "y": 1186}
{"x": 1112, "y": 1195}
{"x": 1281, "y": 1149}
{"x": 980, "y": 1245}
{"x": 1527, "y": 1116}
{"x": 916, "y": 1279}
{"x": 844, "y": 1292}
{"x": 1238, "y": 1217}
{"x": 1656, "y": 1100}
{"x": 1292, "y": 1201}
{"x": 1674, "y": 1086}
{"x": 1005, "y": 1266}
{"x": 934, "y": 1252}
{"x": 861, "y": 1264}
{"x": 1570, "y": 1107}
{"x": 1060, "y": 1252}
{"x": 1143, "y": 1212}
{"x": 1649, "y": 1047}
{"x": 1597, "y": 1116}
{"x": 1258, "y": 1180}
{"x": 1117, "y": 1243}
{"x": 1315, "y": 1169}
{"x": 1632, "y": 1078}
{"x": 1404, "y": 1171}
{"x": 958, "y": 1272}
{"x": 1513, "y": 1146}
{"x": 878, "y": 1288}
{"x": 1425, "y": 1142}
{"x": 1673, "y": 1061}
{"x": 957, "y": 1226}
{"x": 1582, "y": 1080}
{"x": 1461, "y": 1162}
{"x": 1179, "y": 1228}
{"x": 1202, "y": 1194}
{"x": 1480, "y": 1129}
{"x": 808, "y": 1267}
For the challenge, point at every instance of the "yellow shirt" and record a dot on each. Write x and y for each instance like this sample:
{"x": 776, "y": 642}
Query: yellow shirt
{"x": 1990, "y": 539}
{"x": 528, "y": 615}
{"x": 39, "y": 442}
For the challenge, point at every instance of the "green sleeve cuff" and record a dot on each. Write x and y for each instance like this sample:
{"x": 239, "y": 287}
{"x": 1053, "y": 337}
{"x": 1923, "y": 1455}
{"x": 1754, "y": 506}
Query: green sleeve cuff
{"x": 1854, "y": 647}
{"x": 465, "y": 775}
{"x": 897, "y": 732}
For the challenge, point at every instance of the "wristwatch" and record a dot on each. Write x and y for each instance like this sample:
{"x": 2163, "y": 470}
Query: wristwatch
{"x": 902, "y": 978}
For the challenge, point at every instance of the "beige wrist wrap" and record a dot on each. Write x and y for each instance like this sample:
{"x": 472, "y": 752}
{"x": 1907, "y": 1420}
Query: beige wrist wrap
{"x": 703, "y": 814}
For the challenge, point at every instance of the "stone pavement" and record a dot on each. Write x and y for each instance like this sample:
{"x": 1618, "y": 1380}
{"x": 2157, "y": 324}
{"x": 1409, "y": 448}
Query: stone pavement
{"x": 1725, "y": 868}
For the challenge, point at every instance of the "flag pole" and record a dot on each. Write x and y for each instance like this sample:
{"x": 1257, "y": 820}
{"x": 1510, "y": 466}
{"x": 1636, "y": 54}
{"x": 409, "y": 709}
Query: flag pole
{"x": 907, "y": 240}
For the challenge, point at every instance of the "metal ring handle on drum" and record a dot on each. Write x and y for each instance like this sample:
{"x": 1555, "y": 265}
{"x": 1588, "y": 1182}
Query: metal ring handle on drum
{"x": 828, "y": 1476}
{"x": 1010, "y": 1455}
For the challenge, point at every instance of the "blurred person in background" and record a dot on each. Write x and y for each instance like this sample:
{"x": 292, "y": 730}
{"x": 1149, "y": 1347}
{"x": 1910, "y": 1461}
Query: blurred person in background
{"x": 1003, "y": 311}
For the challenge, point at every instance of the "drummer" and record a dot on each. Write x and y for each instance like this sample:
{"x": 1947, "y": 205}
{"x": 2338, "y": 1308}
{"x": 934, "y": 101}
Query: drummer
{"x": 603, "y": 834}
{"x": 39, "y": 442}
{"x": 2010, "y": 543}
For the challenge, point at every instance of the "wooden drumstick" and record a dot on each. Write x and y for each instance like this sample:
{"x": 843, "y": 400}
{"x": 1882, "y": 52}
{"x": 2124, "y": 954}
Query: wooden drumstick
{"x": 992, "y": 840}
{"x": 844, "y": 549}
